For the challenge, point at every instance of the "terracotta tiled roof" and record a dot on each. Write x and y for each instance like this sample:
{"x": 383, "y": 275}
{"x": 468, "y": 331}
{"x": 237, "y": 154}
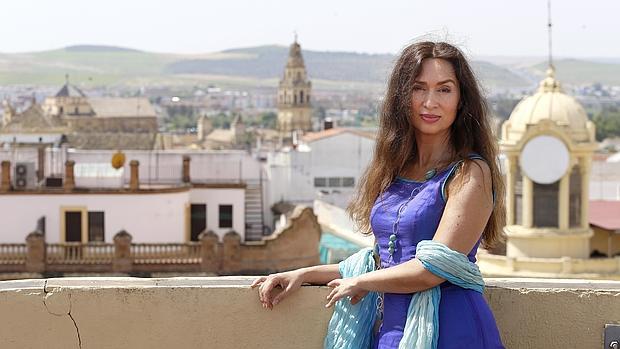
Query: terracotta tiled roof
{"x": 110, "y": 107}
{"x": 605, "y": 214}
{"x": 221, "y": 136}
{"x": 599, "y": 157}
{"x": 112, "y": 140}
{"x": 34, "y": 119}
{"x": 315, "y": 136}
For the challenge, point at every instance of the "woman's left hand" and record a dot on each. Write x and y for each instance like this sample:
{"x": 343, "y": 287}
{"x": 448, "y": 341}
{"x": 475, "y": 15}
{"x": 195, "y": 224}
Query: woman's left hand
{"x": 343, "y": 288}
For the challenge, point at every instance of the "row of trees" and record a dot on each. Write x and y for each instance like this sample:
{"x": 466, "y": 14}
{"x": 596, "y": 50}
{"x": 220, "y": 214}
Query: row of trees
{"x": 184, "y": 118}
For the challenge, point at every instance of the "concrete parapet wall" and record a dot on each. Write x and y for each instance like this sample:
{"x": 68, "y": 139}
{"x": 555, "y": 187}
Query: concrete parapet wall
{"x": 293, "y": 246}
{"x": 550, "y": 314}
{"x": 224, "y": 313}
{"x": 156, "y": 313}
{"x": 566, "y": 267}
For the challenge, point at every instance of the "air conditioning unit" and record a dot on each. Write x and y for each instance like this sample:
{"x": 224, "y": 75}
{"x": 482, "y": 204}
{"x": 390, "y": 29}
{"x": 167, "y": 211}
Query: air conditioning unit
{"x": 25, "y": 175}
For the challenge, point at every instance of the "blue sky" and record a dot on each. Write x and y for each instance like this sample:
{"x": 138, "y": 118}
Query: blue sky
{"x": 484, "y": 27}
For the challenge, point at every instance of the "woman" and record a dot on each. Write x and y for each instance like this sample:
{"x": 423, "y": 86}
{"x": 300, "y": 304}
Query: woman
{"x": 433, "y": 177}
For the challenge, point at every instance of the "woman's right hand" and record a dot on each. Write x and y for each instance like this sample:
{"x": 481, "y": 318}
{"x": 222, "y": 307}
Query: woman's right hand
{"x": 288, "y": 281}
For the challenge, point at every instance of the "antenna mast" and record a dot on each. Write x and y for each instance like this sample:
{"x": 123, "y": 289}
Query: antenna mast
{"x": 549, "y": 33}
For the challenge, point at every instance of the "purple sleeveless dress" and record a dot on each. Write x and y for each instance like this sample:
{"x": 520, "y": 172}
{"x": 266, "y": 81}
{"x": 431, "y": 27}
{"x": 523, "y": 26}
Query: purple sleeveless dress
{"x": 465, "y": 320}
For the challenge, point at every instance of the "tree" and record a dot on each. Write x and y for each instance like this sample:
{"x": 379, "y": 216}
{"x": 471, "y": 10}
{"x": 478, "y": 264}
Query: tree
{"x": 607, "y": 123}
{"x": 268, "y": 120}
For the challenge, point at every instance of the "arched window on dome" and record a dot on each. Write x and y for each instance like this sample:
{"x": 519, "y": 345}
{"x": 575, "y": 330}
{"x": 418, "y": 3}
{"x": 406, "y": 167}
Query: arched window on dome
{"x": 546, "y": 204}
{"x": 518, "y": 197}
{"x": 575, "y": 198}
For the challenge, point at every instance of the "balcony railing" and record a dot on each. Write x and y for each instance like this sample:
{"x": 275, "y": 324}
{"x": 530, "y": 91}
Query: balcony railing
{"x": 13, "y": 254}
{"x": 187, "y": 253}
{"x": 293, "y": 246}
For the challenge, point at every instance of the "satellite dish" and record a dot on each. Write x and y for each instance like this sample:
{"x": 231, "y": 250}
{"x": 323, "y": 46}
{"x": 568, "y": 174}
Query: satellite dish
{"x": 544, "y": 159}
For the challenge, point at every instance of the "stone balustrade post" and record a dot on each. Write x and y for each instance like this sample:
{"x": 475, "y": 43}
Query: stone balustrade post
{"x": 134, "y": 179}
{"x": 122, "y": 262}
{"x": 69, "y": 183}
{"x": 35, "y": 252}
{"x": 210, "y": 252}
{"x": 5, "y": 182}
{"x": 567, "y": 265}
{"x": 511, "y": 263}
{"x": 186, "y": 168}
{"x": 231, "y": 254}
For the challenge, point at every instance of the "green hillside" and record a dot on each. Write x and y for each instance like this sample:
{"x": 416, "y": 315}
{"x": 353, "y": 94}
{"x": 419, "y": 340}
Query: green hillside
{"x": 251, "y": 67}
{"x": 578, "y": 72}
{"x": 90, "y": 64}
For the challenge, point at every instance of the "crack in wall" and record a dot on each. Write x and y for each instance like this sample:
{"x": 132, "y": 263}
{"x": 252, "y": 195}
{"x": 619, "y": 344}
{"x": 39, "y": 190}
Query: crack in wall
{"x": 76, "y": 330}
{"x": 50, "y": 294}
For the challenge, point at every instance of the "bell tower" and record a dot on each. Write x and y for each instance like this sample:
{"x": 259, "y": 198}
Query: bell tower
{"x": 294, "y": 108}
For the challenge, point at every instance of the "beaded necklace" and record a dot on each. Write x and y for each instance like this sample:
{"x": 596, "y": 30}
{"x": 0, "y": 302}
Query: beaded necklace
{"x": 392, "y": 243}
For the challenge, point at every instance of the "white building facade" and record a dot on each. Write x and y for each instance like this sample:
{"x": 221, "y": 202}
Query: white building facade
{"x": 154, "y": 216}
{"x": 179, "y": 195}
{"x": 326, "y": 165}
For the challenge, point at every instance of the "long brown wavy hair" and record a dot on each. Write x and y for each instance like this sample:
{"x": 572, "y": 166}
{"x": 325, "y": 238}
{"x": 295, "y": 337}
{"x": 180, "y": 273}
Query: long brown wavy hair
{"x": 396, "y": 143}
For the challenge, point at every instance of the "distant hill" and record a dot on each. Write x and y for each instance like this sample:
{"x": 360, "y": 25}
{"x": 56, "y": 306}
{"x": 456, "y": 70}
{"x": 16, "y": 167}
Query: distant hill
{"x": 99, "y": 65}
{"x": 98, "y": 48}
{"x": 573, "y": 71}
{"x": 269, "y": 61}
{"x": 260, "y": 66}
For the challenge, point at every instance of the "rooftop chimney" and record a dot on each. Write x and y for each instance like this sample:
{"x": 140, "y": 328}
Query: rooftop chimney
{"x": 134, "y": 178}
{"x": 69, "y": 175}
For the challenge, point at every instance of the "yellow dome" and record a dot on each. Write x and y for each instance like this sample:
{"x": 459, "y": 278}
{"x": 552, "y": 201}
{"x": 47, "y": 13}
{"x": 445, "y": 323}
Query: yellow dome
{"x": 550, "y": 103}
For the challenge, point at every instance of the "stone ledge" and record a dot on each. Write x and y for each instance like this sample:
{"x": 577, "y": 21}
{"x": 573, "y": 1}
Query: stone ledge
{"x": 223, "y": 312}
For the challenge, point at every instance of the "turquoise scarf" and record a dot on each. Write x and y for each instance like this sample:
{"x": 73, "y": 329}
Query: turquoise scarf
{"x": 351, "y": 325}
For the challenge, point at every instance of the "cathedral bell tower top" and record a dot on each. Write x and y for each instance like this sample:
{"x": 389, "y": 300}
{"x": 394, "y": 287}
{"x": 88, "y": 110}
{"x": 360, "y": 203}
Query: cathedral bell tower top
{"x": 295, "y": 60}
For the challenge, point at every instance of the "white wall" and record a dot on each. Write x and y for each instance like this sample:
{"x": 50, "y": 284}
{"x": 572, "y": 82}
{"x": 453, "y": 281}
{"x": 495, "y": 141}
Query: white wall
{"x": 343, "y": 155}
{"x": 215, "y": 197}
{"x": 156, "y": 217}
{"x": 165, "y": 166}
{"x": 147, "y": 217}
{"x": 605, "y": 181}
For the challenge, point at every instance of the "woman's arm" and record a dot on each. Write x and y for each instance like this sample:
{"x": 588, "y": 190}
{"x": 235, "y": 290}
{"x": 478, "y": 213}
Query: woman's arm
{"x": 291, "y": 281}
{"x": 467, "y": 211}
{"x": 320, "y": 274}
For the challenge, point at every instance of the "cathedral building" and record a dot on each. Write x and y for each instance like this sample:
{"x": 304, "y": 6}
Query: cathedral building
{"x": 85, "y": 122}
{"x": 294, "y": 108}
